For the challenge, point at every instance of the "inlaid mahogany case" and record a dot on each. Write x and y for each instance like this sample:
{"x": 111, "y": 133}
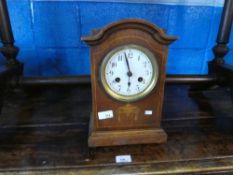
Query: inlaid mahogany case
{"x": 129, "y": 125}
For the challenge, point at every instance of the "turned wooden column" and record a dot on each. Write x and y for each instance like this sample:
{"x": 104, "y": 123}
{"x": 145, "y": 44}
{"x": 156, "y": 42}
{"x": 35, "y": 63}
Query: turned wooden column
{"x": 221, "y": 49}
{"x": 13, "y": 70}
{"x": 9, "y": 51}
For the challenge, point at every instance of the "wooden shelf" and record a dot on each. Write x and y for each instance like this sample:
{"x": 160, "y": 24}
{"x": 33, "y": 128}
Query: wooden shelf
{"x": 44, "y": 131}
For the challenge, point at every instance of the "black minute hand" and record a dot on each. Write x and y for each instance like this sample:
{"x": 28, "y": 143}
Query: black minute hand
{"x": 129, "y": 73}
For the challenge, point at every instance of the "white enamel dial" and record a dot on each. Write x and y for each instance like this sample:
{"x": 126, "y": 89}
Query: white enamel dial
{"x": 130, "y": 72}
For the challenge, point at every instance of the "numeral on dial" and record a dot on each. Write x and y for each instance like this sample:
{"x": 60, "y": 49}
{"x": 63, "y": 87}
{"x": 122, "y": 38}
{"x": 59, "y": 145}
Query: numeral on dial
{"x": 114, "y": 65}
{"x": 120, "y": 57}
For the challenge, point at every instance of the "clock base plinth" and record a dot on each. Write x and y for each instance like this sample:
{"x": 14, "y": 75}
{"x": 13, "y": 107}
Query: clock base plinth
{"x": 126, "y": 137}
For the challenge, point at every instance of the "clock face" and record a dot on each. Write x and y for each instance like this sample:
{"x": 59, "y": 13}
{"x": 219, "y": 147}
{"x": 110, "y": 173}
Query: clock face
{"x": 129, "y": 72}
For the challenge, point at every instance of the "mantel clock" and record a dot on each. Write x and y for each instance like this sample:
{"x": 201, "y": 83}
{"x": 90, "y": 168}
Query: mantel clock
{"x": 128, "y": 70}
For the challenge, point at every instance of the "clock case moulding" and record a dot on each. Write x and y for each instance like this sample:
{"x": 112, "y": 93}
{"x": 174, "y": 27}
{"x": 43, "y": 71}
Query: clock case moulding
{"x": 129, "y": 124}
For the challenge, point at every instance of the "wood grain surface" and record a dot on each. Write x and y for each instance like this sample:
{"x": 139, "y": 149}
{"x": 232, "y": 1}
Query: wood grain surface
{"x": 44, "y": 131}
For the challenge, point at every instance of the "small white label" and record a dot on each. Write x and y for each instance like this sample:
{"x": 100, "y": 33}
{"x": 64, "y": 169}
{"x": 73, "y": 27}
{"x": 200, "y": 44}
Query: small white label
{"x": 123, "y": 159}
{"x": 148, "y": 112}
{"x": 105, "y": 114}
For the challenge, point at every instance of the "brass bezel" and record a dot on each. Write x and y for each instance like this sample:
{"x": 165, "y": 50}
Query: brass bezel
{"x": 140, "y": 95}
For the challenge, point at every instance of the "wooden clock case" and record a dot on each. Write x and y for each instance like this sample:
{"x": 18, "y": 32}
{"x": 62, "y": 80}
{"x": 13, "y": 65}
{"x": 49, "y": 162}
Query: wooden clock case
{"x": 129, "y": 124}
